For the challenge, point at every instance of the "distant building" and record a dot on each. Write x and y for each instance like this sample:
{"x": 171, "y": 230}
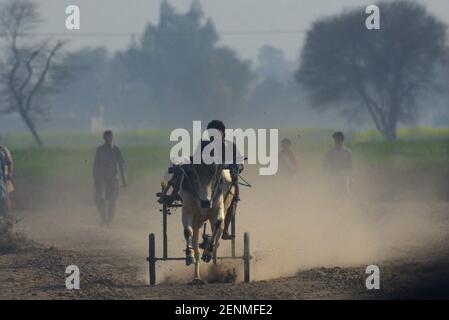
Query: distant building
{"x": 97, "y": 121}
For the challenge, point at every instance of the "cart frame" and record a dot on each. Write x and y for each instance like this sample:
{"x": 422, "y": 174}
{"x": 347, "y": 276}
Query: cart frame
{"x": 152, "y": 258}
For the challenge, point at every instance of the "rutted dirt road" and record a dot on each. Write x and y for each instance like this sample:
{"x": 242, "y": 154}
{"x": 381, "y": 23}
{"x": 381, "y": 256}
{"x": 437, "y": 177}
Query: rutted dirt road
{"x": 38, "y": 273}
{"x": 317, "y": 252}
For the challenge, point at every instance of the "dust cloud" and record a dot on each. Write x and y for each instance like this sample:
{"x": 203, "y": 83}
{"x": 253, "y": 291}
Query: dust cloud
{"x": 294, "y": 224}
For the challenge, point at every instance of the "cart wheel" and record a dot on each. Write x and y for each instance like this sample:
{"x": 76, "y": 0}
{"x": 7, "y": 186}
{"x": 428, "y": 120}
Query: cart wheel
{"x": 233, "y": 238}
{"x": 246, "y": 257}
{"x": 152, "y": 258}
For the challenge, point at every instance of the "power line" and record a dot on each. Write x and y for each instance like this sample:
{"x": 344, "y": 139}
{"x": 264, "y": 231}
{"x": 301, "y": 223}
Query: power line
{"x": 78, "y": 34}
{"x": 255, "y": 32}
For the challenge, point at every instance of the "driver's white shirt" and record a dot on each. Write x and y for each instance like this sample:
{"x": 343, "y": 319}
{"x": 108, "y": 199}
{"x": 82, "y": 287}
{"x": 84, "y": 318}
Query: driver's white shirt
{"x": 228, "y": 152}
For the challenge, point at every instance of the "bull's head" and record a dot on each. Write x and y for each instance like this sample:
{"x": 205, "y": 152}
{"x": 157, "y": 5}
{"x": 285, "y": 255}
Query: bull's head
{"x": 208, "y": 184}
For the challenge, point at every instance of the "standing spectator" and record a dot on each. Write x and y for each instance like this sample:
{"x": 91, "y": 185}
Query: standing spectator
{"x": 338, "y": 166}
{"x": 288, "y": 160}
{"x": 8, "y": 171}
{"x": 3, "y": 191}
{"x": 107, "y": 158}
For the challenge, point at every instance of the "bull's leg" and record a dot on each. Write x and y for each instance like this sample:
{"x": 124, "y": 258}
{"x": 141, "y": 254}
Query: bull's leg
{"x": 197, "y": 279}
{"x": 216, "y": 239}
{"x": 196, "y": 249}
{"x": 217, "y": 229}
{"x": 188, "y": 234}
{"x": 209, "y": 245}
{"x": 230, "y": 213}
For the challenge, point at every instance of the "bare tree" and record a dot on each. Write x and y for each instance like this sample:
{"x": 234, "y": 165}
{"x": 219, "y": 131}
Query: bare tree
{"x": 28, "y": 71}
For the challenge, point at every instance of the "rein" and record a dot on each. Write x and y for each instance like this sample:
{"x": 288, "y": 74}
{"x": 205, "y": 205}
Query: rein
{"x": 241, "y": 181}
{"x": 194, "y": 187}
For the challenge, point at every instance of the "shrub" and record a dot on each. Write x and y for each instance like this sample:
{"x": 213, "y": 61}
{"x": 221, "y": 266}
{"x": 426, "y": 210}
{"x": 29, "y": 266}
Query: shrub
{"x": 10, "y": 240}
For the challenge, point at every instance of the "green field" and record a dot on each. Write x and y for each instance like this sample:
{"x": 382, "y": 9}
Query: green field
{"x": 70, "y": 156}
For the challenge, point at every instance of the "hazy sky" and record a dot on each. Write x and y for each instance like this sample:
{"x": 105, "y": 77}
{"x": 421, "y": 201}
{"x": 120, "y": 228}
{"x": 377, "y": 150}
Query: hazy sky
{"x": 131, "y": 16}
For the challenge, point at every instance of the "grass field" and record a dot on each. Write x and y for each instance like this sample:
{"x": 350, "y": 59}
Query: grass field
{"x": 70, "y": 156}
{"x": 400, "y": 195}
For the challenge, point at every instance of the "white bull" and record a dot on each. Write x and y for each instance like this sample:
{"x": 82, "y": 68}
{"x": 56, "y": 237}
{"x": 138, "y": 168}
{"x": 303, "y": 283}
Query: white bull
{"x": 206, "y": 192}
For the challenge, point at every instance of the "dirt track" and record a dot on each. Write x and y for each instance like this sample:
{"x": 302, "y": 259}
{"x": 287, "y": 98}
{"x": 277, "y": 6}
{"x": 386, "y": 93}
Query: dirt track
{"x": 38, "y": 273}
{"x": 319, "y": 252}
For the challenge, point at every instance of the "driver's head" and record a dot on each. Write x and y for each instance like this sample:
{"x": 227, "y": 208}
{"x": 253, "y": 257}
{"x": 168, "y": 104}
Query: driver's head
{"x": 286, "y": 143}
{"x": 339, "y": 138}
{"x": 107, "y": 137}
{"x": 217, "y": 125}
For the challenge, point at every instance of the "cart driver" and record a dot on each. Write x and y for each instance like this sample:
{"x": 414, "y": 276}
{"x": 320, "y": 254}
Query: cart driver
{"x": 235, "y": 168}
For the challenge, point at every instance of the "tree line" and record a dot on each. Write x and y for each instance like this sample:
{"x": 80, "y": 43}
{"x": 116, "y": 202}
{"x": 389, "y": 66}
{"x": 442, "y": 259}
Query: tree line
{"x": 178, "y": 71}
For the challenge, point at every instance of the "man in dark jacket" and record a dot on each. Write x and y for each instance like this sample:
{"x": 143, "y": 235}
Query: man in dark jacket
{"x": 7, "y": 169}
{"x": 107, "y": 158}
{"x": 3, "y": 188}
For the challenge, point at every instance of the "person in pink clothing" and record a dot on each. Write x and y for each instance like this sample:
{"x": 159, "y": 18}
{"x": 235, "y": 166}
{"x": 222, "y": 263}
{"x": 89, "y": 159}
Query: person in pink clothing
{"x": 288, "y": 160}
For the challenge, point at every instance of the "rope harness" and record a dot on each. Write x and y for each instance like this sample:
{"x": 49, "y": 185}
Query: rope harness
{"x": 193, "y": 183}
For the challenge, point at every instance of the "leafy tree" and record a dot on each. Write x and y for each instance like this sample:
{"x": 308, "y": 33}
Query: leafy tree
{"x": 383, "y": 72}
{"x": 275, "y": 98}
{"x": 88, "y": 87}
{"x": 188, "y": 74}
{"x": 272, "y": 64}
